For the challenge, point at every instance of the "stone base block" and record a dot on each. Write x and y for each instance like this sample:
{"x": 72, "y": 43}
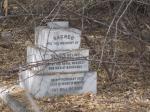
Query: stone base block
{"x": 58, "y": 84}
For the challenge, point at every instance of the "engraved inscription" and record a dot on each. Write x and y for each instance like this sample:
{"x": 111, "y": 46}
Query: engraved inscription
{"x": 66, "y": 85}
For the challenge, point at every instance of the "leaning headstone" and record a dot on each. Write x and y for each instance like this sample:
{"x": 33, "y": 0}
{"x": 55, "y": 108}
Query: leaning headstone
{"x": 58, "y": 65}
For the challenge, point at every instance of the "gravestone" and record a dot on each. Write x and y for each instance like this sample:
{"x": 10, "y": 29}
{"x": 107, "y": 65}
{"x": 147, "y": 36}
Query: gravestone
{"x": 64, "y": 66}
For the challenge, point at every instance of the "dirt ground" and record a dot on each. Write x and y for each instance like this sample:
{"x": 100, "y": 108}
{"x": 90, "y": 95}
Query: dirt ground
{"x": 128, "y": 91}
{"x": 128, "y": 94}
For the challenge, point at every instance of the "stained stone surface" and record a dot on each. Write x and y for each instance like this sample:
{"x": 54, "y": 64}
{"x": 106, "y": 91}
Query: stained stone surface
{"x": 60, "y": 61}
{"x": 57, "y": 39}
{"x": 58, "y": 24}
{"x": 58, "y": 84}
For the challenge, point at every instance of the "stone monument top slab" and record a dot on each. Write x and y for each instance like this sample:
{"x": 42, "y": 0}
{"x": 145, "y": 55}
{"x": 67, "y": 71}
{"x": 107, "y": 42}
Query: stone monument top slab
{"x": 57, "y": 36}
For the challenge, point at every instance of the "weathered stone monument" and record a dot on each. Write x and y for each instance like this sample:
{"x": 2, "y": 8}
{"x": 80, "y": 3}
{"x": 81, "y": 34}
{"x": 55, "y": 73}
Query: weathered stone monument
{"x": 65, "y": 66}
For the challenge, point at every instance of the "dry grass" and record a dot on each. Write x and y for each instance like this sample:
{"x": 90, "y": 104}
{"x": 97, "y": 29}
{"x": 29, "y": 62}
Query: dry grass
{"x": 129, "y": 89}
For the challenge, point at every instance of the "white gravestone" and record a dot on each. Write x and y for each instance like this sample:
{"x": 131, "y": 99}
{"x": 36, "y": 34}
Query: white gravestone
{"x": 58, "y": 84}
{"x": 57, "y": 39}
{"x": 64, "y": 68}
{"x": 60, "y": 61}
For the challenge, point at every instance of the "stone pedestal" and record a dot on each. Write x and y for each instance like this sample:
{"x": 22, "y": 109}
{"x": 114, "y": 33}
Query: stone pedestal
{"x": 40, "y": 85}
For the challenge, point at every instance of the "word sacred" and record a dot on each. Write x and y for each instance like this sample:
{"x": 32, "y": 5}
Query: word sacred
{"x": 61, "y": 37}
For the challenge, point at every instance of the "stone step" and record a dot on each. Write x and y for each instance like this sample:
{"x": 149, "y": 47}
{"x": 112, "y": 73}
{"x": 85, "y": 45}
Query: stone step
{"x": 59, "y": 61}
{"x": 58, "y": 84}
